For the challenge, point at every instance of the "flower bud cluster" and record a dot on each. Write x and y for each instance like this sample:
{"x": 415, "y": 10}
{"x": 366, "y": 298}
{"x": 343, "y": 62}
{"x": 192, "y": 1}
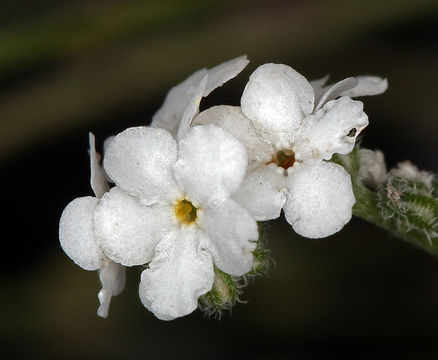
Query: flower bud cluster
{"x": 407, "y": 199}
{"x": 182, "y": 197}
{"x": 403, "y": 201}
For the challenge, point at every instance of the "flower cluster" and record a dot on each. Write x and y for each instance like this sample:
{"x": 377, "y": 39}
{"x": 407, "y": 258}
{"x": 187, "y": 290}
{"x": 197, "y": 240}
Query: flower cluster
{"x": 182, "y": 197}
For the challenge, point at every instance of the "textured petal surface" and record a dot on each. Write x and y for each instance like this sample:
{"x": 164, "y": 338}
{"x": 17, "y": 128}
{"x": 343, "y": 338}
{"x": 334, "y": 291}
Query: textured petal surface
{"x": 112, "y": 277}
{"x": 181, "y": 271}
{"x": 211, "y": 164}
{"x": 232, "y": 119}
{"x": 169, "y": 115}
{"x": 76, "y": 233}
{"x": 335, "y": 90}
{"x": 367, "y": 85}
{"x": 140, "y": 160}
{"x": 128, "y": 231}
{"x": 233, "y": 233}
{"x": 319, "y": 199}
{"x": 97, "y": 179}
{"x": 192, "y": 107}
{"x": 276, "y": 99}
{"x": 220, "y": 74}
{"x": 261, "y": 192}
{"x": 333, "y": 129}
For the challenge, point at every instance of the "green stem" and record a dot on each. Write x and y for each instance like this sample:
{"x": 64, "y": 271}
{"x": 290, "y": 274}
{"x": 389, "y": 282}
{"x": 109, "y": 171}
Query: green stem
{"x": 368, "y": 208}
{"x": 404, "y": 206}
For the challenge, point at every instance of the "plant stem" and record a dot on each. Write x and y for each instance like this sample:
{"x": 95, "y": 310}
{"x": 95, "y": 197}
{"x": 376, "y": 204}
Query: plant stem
{"x": 368, "y": 208}
{"x": 403, "y": 201}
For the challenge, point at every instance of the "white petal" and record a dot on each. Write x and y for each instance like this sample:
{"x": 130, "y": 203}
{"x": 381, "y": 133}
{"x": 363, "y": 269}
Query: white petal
{"x": 112, "y": 276}
{"x": 128, "y": 231}
{"x": 140, "y": 160}
{"x": 220, "y": 74}
{"x": 97, "y": 179}
{"x": 333, "y": 129}
{"x": 261, "y": 192}
{"x": 367, "y": 85}
{"x": 181, "y": 96}
{"x": 106, "y": 142}
{"x": 192, "y": 107}
{"x": 233, "y": 233}
{"x": 169, "y": 115}
{"x": 335, "y": 90}
{"x": 319, "y": 200}
{"x": 180, "y": 272}
{"x": 76, "y": 233}
{"x": 276, "y": 99}
{"x": 318, "y": 87}
{"x": 232, "y": 119}
{"x": 211, "y": 164}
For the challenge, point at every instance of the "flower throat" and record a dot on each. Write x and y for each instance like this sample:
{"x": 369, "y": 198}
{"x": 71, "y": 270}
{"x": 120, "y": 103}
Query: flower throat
{"x": 284, "y": 159}
{"x": 185, "y": 212}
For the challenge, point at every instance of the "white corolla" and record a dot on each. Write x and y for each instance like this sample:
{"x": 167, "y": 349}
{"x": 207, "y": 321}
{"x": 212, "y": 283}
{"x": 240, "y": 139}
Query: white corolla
{"x": 290, "y": 128}
{"x": 182, "y": 101}
{"x": 171, "y": 210}
{"x": 78, "y": 242}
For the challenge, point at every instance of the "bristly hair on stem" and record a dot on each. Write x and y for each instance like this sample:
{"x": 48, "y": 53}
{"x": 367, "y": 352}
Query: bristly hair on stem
{"x": 404, "y": 201}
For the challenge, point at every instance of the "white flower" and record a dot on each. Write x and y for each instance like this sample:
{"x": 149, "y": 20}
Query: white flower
{"x": 171, "y": 209}
{"x": 76, "y": 235}
{"x": 288, "y": 138}
{"x": 352, "y": 87}
{"x": 182, "y": 101}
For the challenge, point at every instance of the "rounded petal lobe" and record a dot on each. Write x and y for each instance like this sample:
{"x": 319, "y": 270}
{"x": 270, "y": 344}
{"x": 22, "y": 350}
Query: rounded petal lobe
{"x": 128, "y": 231}
{"x": 261, "y": 192}
{"x": 180, "y": 272}
{"x": 211, "y": 164}
{"x": 332, "y": 129}
{"x": 112, "y": 277}
{"x": 233, "y": 234}
{"x": 319, "y": 199}
{"x": 140, "y": 160}
{"x": 232, "y": 119}
{"x": 76, "y": 233}
{"x": 277, "y": 99}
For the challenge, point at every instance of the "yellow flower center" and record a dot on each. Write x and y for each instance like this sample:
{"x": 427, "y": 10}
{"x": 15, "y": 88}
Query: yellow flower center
{"x": 284, "y": 159}
{"x": 185, "y": 212}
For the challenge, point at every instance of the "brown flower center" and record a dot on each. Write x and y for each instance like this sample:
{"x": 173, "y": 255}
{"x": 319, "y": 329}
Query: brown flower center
{"x": 284, "y": 159}
{"x": 185, "y": 212}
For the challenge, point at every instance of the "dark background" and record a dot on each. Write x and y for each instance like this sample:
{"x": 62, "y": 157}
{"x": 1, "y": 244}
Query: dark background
{"x": 70, "y": 67}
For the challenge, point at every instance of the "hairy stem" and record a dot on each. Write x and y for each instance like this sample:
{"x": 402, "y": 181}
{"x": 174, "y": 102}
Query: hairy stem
{"x": 403, "y": 201}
